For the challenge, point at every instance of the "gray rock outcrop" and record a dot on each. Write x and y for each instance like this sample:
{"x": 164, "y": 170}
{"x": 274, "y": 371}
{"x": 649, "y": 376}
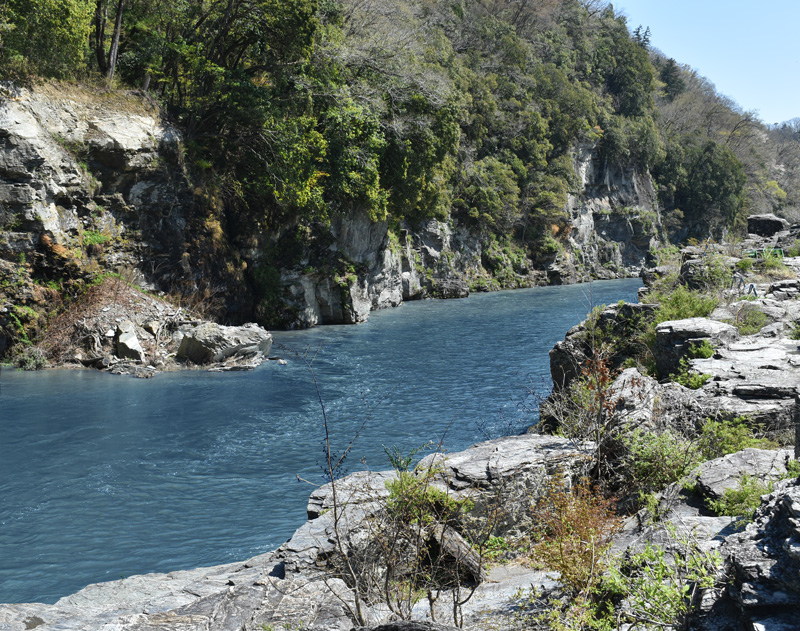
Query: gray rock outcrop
{"x": 675, "y": 338}
{"x": 294, "y": 585}
{"x": 209, "y": 343}
{"x": 717, "y": 476}
{"x": 766, "y": 225}
{"x": 763, "y": 570}
{"x": 615, "y": 221}
{"x": 568, "y": 356}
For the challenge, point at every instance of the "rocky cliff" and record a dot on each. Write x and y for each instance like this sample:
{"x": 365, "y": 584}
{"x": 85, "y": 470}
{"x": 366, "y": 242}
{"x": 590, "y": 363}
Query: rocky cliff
{"x": 94, "y": 182}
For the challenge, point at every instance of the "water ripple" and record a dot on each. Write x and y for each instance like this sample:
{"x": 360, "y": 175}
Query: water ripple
{"x": 105, "y": 477}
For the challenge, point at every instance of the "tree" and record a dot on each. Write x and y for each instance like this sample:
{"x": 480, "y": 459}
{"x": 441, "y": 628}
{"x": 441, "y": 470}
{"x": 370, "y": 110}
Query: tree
{"x": 107, "y": 63}
{"x": 51, "y": 35}
{"x": 642, "y": 37}
{"x": 672, "y": 77}
{"x": 707, "y": 181}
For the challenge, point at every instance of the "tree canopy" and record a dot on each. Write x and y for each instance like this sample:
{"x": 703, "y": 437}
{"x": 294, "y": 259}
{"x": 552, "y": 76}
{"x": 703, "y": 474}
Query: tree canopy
{"x": 294, "y": 110}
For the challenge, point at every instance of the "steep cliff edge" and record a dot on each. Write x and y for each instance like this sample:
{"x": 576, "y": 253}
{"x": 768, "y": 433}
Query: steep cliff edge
{"x": 94, "y": 182}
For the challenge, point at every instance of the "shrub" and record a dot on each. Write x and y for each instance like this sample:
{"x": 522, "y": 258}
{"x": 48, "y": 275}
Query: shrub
{"x": 719, "y": 438}
{"x": 773, "y": 266}
{"x": 93, "y": 237}
{"x": 794, "y": 249}
{"x": 701, "y": 350}
{"x": 795, "y": 332}
{"x": 717, "y": 274}
{"x": 414, "y": 500}
{"x": 683, "y": 303}
{"x": 495, "y": 547}
{"x": 743, "y": 500}
{"x": 577, "y": 526}
{"x": 654, "y": 461}
{"x": 32, "y": 358}
{"x": 745, "y": 265}
{"x": 688, "y": 378}
{"x": 750, "y": 319}
{"x": 662, "y": 587}
{"x": 581, "y": 410}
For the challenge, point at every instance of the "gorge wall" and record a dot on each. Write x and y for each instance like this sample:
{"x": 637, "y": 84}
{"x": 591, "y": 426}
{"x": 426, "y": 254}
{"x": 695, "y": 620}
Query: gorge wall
{"x": 95, "y": 182}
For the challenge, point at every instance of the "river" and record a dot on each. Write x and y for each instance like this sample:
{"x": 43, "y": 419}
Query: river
{"x": 103, "y": 477}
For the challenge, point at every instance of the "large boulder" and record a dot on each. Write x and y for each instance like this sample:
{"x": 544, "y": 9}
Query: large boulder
{"x": 511, "y": 472}
{"x": 126, "y": 343}
{"x": 675, "y": 338}
{"x": 766, "y": 225}
{"x": 639, "y": 401}
{"x": 209, "y": 343}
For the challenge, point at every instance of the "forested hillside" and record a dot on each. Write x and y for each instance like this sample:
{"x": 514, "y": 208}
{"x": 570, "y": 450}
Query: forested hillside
{"x": 296, "y": 112}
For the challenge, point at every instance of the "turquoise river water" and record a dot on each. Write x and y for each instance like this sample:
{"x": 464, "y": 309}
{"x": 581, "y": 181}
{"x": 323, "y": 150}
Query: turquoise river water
{"x": 103, "y": 477}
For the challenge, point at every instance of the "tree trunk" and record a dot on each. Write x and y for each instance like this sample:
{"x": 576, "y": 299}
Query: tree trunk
{"x": 112, "y": 53}
{"x": 100, "y": 35}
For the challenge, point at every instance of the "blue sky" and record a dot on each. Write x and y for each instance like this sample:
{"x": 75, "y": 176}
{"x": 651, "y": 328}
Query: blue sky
{"x": 749, "y": 50}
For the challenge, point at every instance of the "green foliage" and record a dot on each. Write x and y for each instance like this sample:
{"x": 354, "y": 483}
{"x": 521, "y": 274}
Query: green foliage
{"x": 705, "y": 180}
{"x": 671, "y": 76}
{"x": 688, "y": 378}
{"x": 743, "y": 500}
{"x": 701, "y": 350}
{"x": 661, "y": 587}
{"x": 653, "y": 461}
{"x": 795, "y": 332}
{"x": 632, "y": 140}
{"x": 93, "y": 237}
{"x": 745, "y": 265}
{"x": 682, "y": 303}
{"x": 490, "y": 196}
{"x": 47, "y": 36}
{"x": 794, "y": 249}
{"x": 495, "y": 547}
{"x": 750, "y": 319}
{"x": 721, "y": 437}
{"x": 399, "y": 460}
{"x": 413, "y": 499}
{"x": 772, "y": 264}
{"x": 351, "y": 165}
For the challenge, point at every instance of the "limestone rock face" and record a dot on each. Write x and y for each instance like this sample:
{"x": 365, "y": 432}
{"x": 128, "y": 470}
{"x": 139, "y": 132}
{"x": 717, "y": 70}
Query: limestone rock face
{"x": 127, "y": 344}
{"x": 209, "y": 342}
{"x": 615, "y": 220}
{"x": 763, "y": 570}
{"x": 766, "y": 225}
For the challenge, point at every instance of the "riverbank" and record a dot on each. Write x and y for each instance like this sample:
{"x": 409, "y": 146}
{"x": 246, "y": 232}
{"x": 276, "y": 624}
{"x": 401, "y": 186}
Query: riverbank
{"x": 737, "y": 395}
{"x": 118, "y": 328}
{"x": 144, "y": 459}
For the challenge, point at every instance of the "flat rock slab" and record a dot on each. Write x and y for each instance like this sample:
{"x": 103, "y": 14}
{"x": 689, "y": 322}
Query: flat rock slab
{"x": 675, "y": 338}
{"x": 717, "y": 476}
{"x": 506, "y": 459}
